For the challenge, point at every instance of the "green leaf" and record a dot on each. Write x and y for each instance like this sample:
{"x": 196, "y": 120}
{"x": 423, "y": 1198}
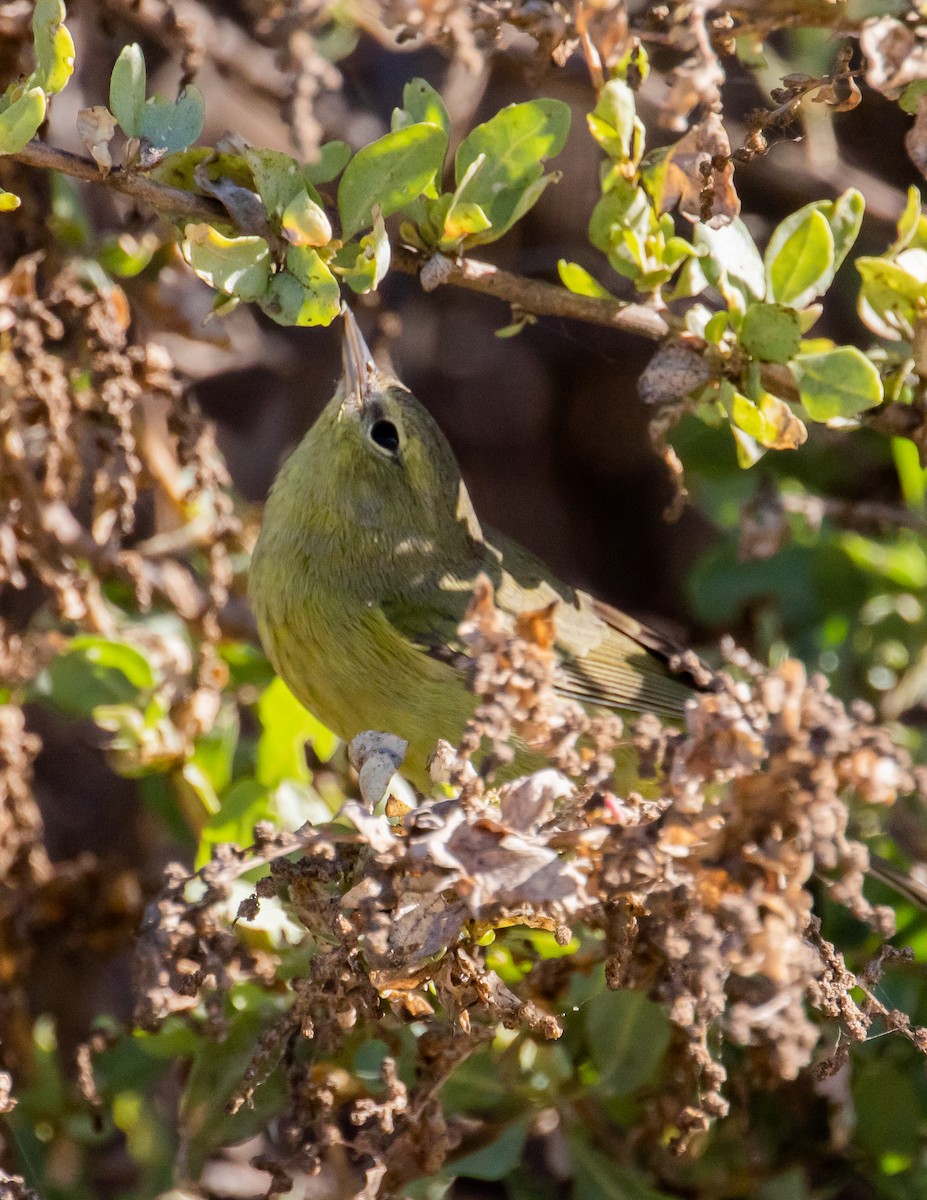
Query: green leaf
{"x": 54, "y": 47}
{"x": 578, "y": 280}
{"x": 895, "y": 291}
{"x": 243, "y": 806}
{"x": 421, "y": 103}
{"x": 837, "y": 383}
{"x": 628, "y": 1036}
{"x": 237, "y": 266}
{"x": 390, "y": 172}
{"x": 364, "y": 265}
{"x": 731, "y": 260}
{"x": 305, "y": 293}
{"x": 333, "y": 158}
{"x": 304, "y": 223}
{"x": 800, "y": 258}
{"x": 278, "y": 177}
{"x": 20, "y": 122}
{"x": 173, "y": 124}
{"x": 495, "y": 1160}
{"x": 614, "y": 123}
{"x": 127, "y": 89}
{"x": 9, "y": 201}
{"x": 845, "y": 218}
{"x": 286, "y": 727}
{"x": 911, "y": 223}
{"x": 94, "y": 672}
{"x": 771, "y": 332}
{"x": 515, "y": 143}
{"x": 599, "y": 1177}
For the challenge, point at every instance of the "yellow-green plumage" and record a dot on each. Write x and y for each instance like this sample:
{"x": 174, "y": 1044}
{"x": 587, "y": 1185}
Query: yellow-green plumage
{"x": 365, "y": 566}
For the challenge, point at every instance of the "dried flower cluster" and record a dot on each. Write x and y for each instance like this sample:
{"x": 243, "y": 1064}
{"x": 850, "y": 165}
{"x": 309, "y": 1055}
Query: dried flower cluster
{"x": 700, "y": 896}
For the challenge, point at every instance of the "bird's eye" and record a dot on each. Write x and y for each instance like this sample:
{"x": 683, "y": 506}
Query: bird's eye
{"x": 385, "y": 435}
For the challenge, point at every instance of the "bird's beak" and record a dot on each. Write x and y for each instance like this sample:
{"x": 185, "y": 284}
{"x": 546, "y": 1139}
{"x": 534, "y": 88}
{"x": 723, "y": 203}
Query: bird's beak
{"x": 360, "y": 371}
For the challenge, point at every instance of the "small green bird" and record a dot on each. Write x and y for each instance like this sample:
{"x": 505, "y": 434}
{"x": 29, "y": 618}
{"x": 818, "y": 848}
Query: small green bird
{"x": 366, "y": 563}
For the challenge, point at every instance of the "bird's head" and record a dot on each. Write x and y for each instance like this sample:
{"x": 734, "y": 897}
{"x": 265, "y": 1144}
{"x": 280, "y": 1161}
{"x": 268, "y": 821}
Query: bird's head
{"x": 375, "y": 469}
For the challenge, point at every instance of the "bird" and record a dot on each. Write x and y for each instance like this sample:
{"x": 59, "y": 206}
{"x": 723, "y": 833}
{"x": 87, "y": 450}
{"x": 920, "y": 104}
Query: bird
{"x": 369, "y": 553}
{"x": 366, "y": 562}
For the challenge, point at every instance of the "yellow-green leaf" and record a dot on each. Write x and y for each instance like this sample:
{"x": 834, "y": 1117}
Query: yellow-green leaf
{"x": 304, "y": 223}
{"x": 237, "y": 266}
{"x": 390, "y": 172}
{"x": 800, "y": 258}
{"x": 20, "y": 122}
{"x": 837, "y": 383}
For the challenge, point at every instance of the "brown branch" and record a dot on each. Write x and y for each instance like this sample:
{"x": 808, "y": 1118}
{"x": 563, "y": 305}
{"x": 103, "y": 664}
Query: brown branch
{"x": 532, "y": 295}
{"x": 160, "y": 196}
{"x": 861, "y": 515}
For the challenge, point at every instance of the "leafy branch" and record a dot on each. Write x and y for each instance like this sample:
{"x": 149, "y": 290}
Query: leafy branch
{"x": 530, "y": 295}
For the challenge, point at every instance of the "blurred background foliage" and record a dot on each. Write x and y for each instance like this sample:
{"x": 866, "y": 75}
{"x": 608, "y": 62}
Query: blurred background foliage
{"x": 141, "y": 724}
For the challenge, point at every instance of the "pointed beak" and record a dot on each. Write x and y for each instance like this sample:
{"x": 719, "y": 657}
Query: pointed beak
{"x": 360, "y": 371}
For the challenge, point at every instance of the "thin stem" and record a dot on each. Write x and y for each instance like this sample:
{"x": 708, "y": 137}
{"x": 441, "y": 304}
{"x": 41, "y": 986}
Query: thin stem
{"x": 532, "y": 295}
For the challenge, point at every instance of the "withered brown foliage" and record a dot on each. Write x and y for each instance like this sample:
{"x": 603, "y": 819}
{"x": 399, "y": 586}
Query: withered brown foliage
{"x": 82, "y": 435}
{"x": 701, "y": 895}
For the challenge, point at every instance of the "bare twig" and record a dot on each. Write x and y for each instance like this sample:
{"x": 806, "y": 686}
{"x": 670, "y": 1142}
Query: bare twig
{"x": 160, "y": 196}
{"x": 854, "y": 514}
{"x": 532, "y": 295}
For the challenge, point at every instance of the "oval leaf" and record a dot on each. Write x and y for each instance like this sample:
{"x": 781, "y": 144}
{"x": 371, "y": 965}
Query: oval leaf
{"x": 578, "y": 280}
{"x": 771, "y": 332}
{"x": 515, "y": 143}
{"x": 731, "y": 258}
{"x": 239, "y": 266}
{"x": 800, "y": 258}
{"x": 306, "y": 293}
{"x": 837, "y": 383}
{"x": 304, "y": 223}
{"x": 333, "y": 158}
{"x": 54, "y": 46}
{"x": 20, "y": 122}
{"x": 390, "y": 172}
{"x": 127, "y": 89}
{"x": 174, "y": 124}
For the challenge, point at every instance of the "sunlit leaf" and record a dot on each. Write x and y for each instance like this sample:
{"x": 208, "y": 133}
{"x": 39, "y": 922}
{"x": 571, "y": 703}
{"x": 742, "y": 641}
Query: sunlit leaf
{"x": 390, "y": 172}
{"x": 837, "y": 383}
{"x": 515, "y": 143}
{"x": 421, "y": 103}
{"x": 239, "y": 266}
{"x": 731, "y": 259}
{"x": 800, "y": 258}
{"x": 286, "y": 727}
{"x": 54, "y": 46}
{"x": 364, "y": 265}
{"x": 305, "y": 223}
{"x": 580, "y": 282}
{"x": 20, "y": 122}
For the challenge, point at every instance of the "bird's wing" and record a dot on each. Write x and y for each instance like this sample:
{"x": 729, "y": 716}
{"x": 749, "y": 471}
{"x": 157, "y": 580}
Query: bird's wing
{"x": 616, "y": 663}
{"x": 608, "y": 660}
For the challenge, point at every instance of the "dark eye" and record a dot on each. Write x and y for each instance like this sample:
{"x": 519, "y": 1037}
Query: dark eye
{"x": 385, "y": 435}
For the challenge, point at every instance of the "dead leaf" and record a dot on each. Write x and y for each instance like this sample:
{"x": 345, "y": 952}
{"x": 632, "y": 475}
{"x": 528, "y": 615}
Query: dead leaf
{"x": 698, "y": 176}
{"x": 894, "y": 55}
{"x": 96, "y": 127}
